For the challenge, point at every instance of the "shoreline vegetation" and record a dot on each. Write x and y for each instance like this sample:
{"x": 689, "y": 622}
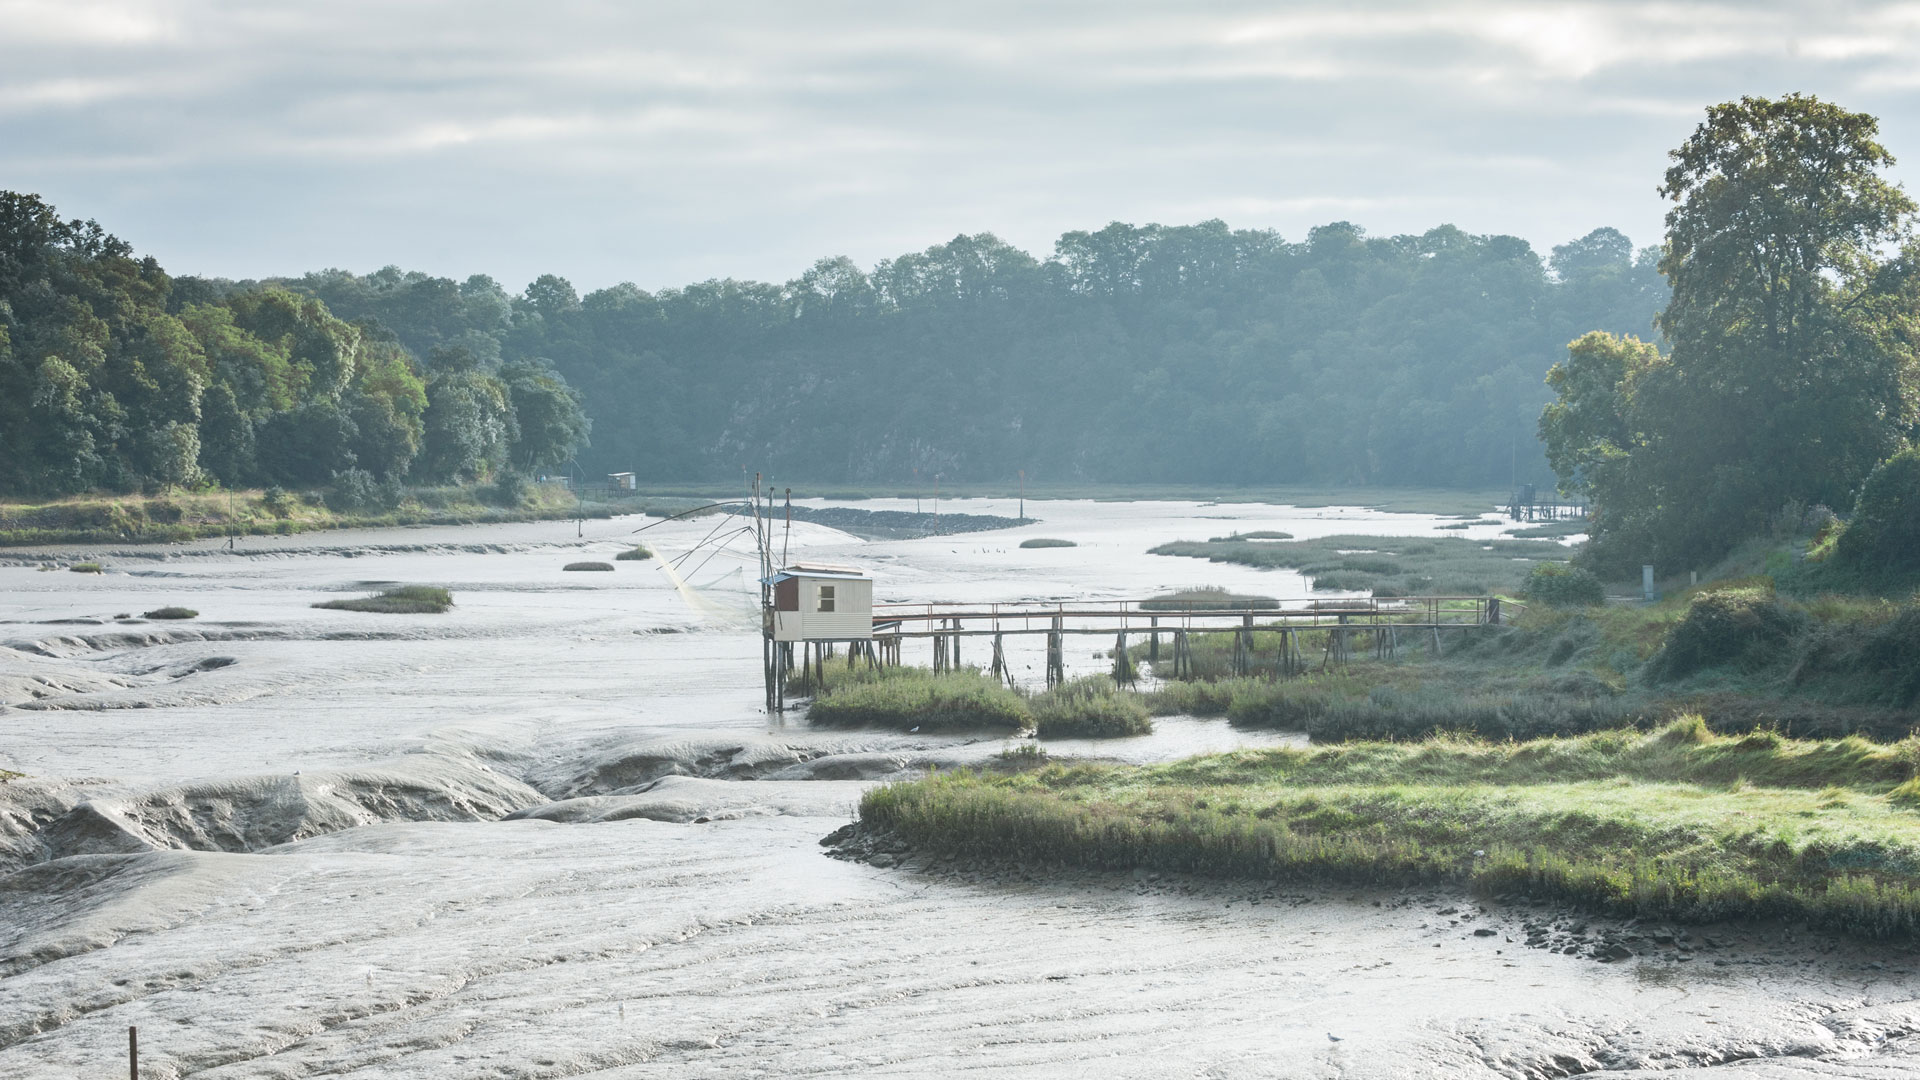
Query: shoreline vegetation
{"x": 1676, "y": 824}
{"x": 1708, "y": 757}
{"x": 1384, "y": 566}
{"x": 919, "y": 699}
{"x": 178, "y": 516}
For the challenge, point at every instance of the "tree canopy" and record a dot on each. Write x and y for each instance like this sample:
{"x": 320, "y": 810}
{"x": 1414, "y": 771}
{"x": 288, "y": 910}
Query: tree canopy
{"x": 1134, "y": 353}
{"x": 1792, "y": 325}
{"x": 112, "y": 377}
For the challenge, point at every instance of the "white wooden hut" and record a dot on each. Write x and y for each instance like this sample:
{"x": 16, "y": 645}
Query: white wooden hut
{"x": 822, "y": 602}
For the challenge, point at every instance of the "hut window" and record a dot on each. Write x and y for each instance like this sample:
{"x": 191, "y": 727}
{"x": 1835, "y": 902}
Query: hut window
{"x": 826, "y": 598}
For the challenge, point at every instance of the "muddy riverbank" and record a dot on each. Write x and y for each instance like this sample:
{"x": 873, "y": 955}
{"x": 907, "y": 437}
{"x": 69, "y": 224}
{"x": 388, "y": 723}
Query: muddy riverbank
{"x": 549, "y": 834}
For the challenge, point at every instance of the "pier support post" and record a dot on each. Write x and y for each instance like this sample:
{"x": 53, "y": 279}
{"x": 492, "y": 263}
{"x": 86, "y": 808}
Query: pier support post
{"x": 1056, "y": 654}
{"x": 1153, "y": 642}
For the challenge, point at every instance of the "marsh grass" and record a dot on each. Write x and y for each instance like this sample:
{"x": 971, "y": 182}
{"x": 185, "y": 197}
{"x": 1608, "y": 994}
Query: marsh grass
{"x": 638, "y": 553}
{"x": 87, "y": 568}
{"x": 1386, "y": 566}
{"x": 1089, "y": 707}
{"x": 588, "y": 566}
{"x": 1257, "y": 534}
{"x": 404, "y": 600}
{"x": 1208, "y": 598}
{"x": 1047, "y": 542}
{"x": 171, "y": 613}
{"x": 1550, "y": 530}
{"x": 1675, "y": 824}
{"x": 906, "y": 698}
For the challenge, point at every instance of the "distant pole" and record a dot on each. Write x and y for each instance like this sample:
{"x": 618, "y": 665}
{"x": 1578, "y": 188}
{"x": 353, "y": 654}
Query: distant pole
{"x": 936, "y": 504}
{"x": 916, "y": 490}
{"x": 133, "y": 1053}
{"x": 1023, "y": 494}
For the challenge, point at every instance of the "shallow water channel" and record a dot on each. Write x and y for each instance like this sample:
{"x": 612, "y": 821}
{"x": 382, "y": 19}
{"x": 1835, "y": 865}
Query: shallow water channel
{"x": 551, "y": 834}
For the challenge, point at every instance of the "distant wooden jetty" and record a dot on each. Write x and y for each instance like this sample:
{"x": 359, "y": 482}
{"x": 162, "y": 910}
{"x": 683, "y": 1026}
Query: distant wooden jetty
{"x": 1375, "y": 624}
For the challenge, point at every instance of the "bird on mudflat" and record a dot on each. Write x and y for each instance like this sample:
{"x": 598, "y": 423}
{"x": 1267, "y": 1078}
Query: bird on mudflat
{"x": 1331, "y": 1037}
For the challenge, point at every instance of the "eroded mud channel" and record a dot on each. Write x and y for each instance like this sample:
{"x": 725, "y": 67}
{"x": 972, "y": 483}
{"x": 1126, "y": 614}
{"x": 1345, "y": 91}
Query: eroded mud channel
{"x": 549, "y": 834}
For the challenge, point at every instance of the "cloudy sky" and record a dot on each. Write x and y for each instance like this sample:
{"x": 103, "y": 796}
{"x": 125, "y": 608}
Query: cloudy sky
{"x": 665, "y": 142}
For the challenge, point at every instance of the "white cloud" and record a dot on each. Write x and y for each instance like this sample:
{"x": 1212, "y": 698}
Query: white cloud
{"x": 749, "y": 139}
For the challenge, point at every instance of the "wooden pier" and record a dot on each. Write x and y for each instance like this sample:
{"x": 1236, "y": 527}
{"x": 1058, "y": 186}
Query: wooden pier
{"x": 1342, "y": 627}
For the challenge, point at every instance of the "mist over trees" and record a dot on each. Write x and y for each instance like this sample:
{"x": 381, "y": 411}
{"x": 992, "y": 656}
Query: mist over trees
{"x": 1153, "y": 353}
{"x": 115, "y": 376}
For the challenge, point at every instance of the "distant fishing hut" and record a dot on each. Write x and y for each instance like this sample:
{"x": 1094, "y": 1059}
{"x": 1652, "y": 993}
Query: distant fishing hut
{"x": 822, "y": 602}
{"x": 815, "y": 604}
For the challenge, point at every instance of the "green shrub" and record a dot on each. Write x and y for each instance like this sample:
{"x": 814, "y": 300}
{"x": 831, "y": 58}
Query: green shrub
{"x": 404, "y": 600}
{"x": 1883, "y": 535}
{"x": 172, "y": 613}
{"x": 1091, "y": 706}
{"x": 1560, "y": 585}
{"x": 1748, "y": 627}
{"x": 587, "y": 566}
{"x": 638, "y": 553}
{"x": 509, "y": 489}
{"x": 355, "y": 491}
{"x": 87, "y": 568}
{"x": 1045, "y": 542}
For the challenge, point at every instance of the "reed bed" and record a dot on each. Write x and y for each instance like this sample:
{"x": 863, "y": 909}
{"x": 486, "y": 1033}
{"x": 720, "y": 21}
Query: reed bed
{"x": 915, "y": 698}
{"x": 1089, "y": 707}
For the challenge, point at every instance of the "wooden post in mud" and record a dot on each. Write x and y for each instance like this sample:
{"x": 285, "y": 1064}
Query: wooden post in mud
{"x": 1000, "y": 670}
{"x": 1056, "y": 654}
{"x": 133, "y": 1053}
{"x": 766, "y": 666}
{"x": 956, "y": 645}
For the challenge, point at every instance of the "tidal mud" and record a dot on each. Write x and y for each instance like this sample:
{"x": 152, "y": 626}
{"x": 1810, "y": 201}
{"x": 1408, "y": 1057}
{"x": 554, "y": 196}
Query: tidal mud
{"x": 550, "y": 834}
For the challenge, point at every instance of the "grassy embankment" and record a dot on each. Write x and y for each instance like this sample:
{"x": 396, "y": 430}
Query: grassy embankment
{"x": 969, "y": 699}
{"x": 180, "y": 515}
{"x": 1678, "y": 823}
{"x": 1735, "y": 653}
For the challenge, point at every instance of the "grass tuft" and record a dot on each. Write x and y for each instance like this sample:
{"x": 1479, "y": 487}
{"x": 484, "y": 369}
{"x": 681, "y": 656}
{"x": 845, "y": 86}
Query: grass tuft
{"x": 588, "y": 566}
{"x": 404, "y": 600}
{"x": 172, "y": 613}
{"x": 1047, "y": 542}
{"x": 1089, "y": 707}
{"x": 638, "y": 553}
{"x": 87, "y": 568}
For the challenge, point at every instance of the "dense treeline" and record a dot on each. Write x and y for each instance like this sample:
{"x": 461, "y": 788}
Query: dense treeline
{"x": 1154, "y": 353}
{"x": 115, "y": 376}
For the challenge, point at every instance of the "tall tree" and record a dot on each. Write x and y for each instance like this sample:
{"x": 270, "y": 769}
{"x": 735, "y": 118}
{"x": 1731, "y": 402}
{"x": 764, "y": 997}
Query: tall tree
{"x": 1792, "y": 331}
